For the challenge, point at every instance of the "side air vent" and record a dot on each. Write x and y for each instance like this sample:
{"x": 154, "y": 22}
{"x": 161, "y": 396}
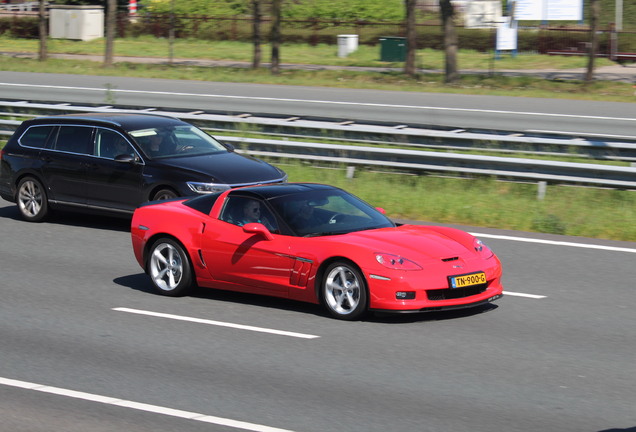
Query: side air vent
{"x": 450, "y": 259}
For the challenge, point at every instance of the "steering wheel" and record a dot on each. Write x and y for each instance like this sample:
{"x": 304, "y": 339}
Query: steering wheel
{"x": 186, "y": 148}
{"x": 334, "y": 219}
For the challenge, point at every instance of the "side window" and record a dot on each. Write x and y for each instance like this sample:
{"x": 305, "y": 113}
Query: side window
{"x": 36, "y": 136}
{"x": 74, "y": 139}
{"x": 109, "y": 144}
{"x": 241, "y": 210}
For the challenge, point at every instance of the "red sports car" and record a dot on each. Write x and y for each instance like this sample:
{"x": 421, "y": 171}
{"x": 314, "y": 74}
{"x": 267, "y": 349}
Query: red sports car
{"x": 313, "y": 243}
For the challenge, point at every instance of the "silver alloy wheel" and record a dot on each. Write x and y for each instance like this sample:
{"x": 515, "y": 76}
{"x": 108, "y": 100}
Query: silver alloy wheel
{"x": 342, "y": 290}
{"x": 166, "y": 267}
{"x": 30, "y": 198}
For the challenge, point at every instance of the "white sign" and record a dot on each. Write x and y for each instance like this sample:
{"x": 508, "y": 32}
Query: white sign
{"x": 482, "y": 14}
{"x": 549, "y": 10}
{"x": 507, "y": 35}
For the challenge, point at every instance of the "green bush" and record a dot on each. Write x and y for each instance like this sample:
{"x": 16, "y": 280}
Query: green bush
{"x": 19, "y": 27}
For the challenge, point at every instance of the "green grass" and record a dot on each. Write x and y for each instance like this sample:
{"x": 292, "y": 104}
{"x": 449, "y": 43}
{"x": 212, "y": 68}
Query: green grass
{"x": 321, "y": 54}
{"x": 486, "y": 202}
{"x": 480, "y": 84}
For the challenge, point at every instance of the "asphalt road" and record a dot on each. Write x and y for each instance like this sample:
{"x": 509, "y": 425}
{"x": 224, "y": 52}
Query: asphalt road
{"x": 561, "y": 359}
{"x": 577, "y": 118}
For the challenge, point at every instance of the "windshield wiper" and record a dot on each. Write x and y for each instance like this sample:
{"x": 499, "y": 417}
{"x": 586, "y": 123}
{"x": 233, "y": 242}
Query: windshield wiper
{"x": 321, "y": 234}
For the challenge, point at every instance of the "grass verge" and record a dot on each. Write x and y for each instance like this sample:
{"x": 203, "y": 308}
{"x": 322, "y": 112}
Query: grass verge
{"x": 490, "y": 83}
{"x": 485, "y": 202}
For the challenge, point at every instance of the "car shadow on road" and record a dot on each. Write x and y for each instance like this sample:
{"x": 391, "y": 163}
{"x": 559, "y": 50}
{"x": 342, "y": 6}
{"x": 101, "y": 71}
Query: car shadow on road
{"x": 141, "y": 282}
{"x": 631, "y": 429}
{"x": 86, "y": 220}
{"x": 408, "y": 318}
{"x": 138, "y": 282}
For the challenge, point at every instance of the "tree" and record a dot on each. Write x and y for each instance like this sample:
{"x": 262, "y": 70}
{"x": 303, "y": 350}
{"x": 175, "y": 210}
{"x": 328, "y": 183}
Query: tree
{"x": 275, "y": 36}
{"x": 256, "y": 33}
{"x": 594, "y": 14}
{"x": 411, "y": 37}
{"x": 111, "y": 20}
{"x": 43, "y": 32}
{"x": 450, "y": 40}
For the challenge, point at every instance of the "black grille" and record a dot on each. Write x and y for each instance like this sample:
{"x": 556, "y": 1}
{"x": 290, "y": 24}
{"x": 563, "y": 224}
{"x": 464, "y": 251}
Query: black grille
{"x": 455, "y": 293}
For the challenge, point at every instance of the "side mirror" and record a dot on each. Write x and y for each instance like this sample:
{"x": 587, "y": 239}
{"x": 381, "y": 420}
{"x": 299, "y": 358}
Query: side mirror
{"x": 381, "y": 210}
{"x": 125, "y": 158}
{"x": 229, "y": 147}
{"x": 258, "y": 228}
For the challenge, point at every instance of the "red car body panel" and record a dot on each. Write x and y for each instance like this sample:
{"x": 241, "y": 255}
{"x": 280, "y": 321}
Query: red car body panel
{"x": 251, "y": 259}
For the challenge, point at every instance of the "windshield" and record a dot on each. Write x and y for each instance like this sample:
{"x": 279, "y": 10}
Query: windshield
{"x": 176, "y": 141}
{"x": 328, "y": 212}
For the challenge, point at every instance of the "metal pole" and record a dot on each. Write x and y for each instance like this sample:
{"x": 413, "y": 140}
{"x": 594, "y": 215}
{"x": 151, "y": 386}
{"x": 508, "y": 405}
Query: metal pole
{"x": 171, "y": 33}
{"x": 619, "y": 15}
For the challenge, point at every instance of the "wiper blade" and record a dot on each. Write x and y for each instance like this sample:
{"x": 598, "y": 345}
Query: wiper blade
{"x": 321, "y": 234}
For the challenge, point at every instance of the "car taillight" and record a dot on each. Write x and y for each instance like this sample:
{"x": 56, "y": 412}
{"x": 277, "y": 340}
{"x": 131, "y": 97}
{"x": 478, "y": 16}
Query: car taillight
{"x": 1, "y": 154}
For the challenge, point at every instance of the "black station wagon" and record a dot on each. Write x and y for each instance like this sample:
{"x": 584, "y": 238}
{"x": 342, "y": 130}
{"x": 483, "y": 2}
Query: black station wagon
{"x": 113, "y": 162}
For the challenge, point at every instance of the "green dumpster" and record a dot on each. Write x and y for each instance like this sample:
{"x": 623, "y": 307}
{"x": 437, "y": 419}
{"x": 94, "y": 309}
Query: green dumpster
{"x": 393, "y": 49}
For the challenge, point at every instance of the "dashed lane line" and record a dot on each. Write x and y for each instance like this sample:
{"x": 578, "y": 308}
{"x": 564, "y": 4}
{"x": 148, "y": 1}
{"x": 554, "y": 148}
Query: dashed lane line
{"x": 140, "y": 406}
{"x": 217, "y": 323}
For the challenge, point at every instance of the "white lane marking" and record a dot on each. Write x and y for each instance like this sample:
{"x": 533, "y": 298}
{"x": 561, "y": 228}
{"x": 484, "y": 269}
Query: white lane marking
{"x": 312, "y": 101}
{"x": 216, "y": 323}
{"x": 516, "y": 294}
{"x": 140, "y": 406}
{"x": 556, "y": 243}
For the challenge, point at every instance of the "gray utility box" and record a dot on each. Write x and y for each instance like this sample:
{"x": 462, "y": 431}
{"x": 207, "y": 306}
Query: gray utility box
{"x": 76, "y": 22}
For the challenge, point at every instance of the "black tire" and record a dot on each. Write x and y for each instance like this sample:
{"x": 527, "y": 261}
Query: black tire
{"x": 31, "y": 199}
{"x": 343, "y": 291}
{"x": 169, "y": 268}
{"x": 164, "y": 194}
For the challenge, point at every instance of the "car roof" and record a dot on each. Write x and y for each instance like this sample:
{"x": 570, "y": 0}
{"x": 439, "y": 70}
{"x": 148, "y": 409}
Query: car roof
{"x": 280, "y": 189}
{"x": 204, "y": 203}
{"x": 124, "y": 120}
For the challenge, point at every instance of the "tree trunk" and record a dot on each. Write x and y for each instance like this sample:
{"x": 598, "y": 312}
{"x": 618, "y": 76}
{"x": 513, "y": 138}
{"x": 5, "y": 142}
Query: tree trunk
{"x": 275, "y": 36}
{"x": 411, "y": 37}
{"x": 594, "y": 13}
{"x": 256, "y": 33}
{"x": 44, "y": 52}
{"x": 450, "y": 40}
{"x": 111, "y": 18}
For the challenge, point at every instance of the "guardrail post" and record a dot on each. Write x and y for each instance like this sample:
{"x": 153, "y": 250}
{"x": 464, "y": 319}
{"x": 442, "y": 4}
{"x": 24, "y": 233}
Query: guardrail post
{"x": 543, "y": 186}
{"x": 350, "y": 171}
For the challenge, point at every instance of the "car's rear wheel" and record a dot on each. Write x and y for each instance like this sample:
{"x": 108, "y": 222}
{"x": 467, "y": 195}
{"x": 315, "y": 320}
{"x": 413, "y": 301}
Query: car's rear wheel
{"x": 164, "y": 194}
{"x": 344, "y": 291}
{"x": 31, "y": 200}
{"x": 169, "y": 268}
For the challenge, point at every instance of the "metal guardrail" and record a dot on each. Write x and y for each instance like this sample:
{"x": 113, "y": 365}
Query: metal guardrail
{"x": 593, "y": 147}
{"x": 417, "y": 160}
{"x": 413, "y": 160}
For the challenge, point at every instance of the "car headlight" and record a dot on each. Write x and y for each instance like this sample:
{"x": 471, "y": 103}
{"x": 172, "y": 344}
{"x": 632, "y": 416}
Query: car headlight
{"x": 396, "y": 262}
{"x": 480, "y": 247}
{"x": 206, "y": 188}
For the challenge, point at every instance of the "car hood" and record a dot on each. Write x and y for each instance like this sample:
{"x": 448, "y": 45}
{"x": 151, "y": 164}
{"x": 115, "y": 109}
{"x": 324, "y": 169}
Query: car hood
{"x": 417, "y": 243}
{"x": 229, "y": 168}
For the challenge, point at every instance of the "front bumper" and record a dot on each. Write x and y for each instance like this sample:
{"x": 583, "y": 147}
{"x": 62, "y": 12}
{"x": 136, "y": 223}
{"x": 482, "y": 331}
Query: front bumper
{"x": 430, "y": 290}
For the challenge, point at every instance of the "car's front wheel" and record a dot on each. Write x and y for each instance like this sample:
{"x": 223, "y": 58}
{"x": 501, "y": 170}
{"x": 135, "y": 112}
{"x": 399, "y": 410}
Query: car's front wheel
{"x": 164, "y": 194}
{"x": 169, "y": 268}
{"x": 31, "y": 200}
{"x": 343, "y": 291}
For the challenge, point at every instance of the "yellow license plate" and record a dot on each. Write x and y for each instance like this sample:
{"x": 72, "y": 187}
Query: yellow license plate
{"x": 467, "y": 280}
